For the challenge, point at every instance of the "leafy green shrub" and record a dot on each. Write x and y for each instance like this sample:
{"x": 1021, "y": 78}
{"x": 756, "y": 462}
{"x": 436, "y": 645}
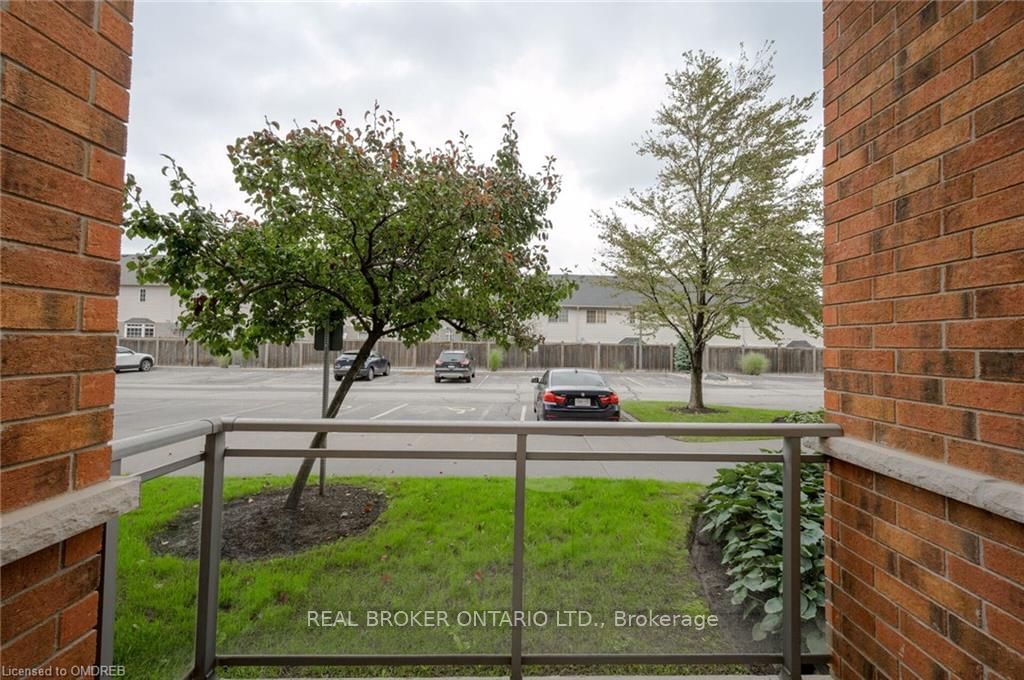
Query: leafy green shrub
{"x": 681, "y": 361}
{"x": 804, "y": 417}
{"x": 494, "y": 359}
{"x": 754, "y": 363}
{"x": 743, "y": 511}
{"x": 224, "y": 360}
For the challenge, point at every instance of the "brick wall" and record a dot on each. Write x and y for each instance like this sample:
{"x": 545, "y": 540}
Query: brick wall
{"x": 921, "y": 586}
{"x": 65, "y": 78}
{"x": 924, "y": 336}
{"x": 924, "y": 273}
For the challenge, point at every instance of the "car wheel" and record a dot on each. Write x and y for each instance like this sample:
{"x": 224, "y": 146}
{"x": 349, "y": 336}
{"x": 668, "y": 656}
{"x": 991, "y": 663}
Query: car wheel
{"x": 436, "y": 379}
{"x": 387, "y": 369}
{"x": 469, "y": 378}
{"x": 145, "y": 365}
{"x": 117, "y": 370}
{"x": 369, "y": 374}
{"x": 338, "y": 378}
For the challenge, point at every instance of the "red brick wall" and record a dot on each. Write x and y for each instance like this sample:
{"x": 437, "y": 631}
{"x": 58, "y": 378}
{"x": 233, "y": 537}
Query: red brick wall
{"x": 924, "y": 266}
{"x": 65, "y": 78}
{"x": 924, "y": 335}
{"x": 920, "y": 586}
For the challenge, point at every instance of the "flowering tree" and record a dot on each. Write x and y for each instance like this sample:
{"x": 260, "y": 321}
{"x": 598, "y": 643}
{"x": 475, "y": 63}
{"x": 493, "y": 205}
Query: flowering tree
{"x": 355, "y": 220}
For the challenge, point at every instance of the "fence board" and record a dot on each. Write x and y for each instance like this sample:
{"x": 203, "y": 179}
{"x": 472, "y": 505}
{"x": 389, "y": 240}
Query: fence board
{"x": 605, "y": 357}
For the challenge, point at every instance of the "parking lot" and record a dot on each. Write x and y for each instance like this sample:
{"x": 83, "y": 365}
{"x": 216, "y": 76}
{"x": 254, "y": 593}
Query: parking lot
{"x": 167, "y": 396}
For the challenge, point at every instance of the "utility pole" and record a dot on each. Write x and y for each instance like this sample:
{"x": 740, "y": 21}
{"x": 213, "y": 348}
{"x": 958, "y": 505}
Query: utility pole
{"x": 330, "y": 338}
{"x": 324, "y": 401}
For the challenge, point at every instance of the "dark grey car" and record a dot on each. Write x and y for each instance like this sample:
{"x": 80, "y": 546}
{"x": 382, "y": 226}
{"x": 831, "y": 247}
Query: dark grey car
{"x": 455, "y": 364}
{"x": 374, "y": 366}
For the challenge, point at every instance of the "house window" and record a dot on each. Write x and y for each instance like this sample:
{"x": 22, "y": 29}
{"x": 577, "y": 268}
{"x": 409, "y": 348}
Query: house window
{"x": 142, "y": 294}
{"x": 597, "y": 316}
{"x": 139, "y": 330}
{"x": 561, "y": 317}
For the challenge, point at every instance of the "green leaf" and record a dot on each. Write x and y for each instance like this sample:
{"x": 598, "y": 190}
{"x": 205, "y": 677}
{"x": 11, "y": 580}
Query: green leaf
{"x": 358, "y": 222}
{"x": 730, "y": 228}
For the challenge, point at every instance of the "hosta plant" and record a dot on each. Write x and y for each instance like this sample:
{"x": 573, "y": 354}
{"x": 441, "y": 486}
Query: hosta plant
{"x": 804, "y": 417}
{"x": 743, "y": 511}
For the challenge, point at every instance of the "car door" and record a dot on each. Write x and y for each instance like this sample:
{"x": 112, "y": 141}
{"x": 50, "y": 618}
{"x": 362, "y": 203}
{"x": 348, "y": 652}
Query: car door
{"x": 125, "y": 358}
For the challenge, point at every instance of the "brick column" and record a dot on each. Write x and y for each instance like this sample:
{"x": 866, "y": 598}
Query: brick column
{"x": 65, "y": 78}
{"x": 924, "y": 336}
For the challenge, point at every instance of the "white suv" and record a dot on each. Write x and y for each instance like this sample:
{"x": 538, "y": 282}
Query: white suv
{"x": 128, "y": 359}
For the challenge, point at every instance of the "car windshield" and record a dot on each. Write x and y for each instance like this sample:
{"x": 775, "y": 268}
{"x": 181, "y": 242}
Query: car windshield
{"x": 577, "y": 378}
{"x": 452, "y": 356}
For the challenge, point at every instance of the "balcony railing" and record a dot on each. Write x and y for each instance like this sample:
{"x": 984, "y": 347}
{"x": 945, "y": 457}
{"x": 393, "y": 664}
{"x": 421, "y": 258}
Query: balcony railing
{"x": 216, "y": 451}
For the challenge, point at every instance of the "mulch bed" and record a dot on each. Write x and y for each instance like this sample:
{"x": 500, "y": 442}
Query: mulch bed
{"x": 706, "y": 558}
{"x": 692, "y": 411}
{"x": 258, "y": 527}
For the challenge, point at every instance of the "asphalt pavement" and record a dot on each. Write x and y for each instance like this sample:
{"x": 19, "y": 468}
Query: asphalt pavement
{"x": 168, "y": 396}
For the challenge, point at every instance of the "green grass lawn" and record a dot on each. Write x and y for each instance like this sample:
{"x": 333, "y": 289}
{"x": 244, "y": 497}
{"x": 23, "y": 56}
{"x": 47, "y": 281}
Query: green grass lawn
{"x": 443, "y": 544}
{"x": 658, "y": 412}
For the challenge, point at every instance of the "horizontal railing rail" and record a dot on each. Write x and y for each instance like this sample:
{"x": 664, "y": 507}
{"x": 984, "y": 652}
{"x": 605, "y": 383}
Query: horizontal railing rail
{"x": 215, "y": 452}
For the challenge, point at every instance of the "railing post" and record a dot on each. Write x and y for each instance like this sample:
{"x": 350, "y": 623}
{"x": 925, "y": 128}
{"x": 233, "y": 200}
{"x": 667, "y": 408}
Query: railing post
{"x": 791, "y": 558}
{"x": 516, "y": 671}
{"x": 108, "y": 592}
{"x": 209, "y": 557}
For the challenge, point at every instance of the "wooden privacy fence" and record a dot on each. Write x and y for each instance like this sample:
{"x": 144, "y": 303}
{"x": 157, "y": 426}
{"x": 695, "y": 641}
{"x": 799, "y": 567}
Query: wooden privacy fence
{"x": 178, "y": 352}
{"x": 780, "y": 359}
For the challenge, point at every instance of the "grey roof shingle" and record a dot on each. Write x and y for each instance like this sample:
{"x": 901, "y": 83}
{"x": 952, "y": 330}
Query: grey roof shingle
{"x": 128, "y": 277}
{"x": 593, "y": 291}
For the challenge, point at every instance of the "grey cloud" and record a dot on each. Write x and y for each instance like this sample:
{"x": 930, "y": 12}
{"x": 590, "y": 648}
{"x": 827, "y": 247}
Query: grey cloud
{"x": 584, "y": 80}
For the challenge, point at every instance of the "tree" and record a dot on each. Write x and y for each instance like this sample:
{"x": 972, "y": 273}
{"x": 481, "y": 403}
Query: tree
{"x": 730, "y": 230}
{"x": 355, "y": 220}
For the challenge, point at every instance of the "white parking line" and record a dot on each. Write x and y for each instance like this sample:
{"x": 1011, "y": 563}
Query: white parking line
{"x": 484, "y": 380}
{"x": 635, "y": 382}
{"x": 522, "y": 414}
{"x": 158, "y": 407}
{"x": 388, "y": 412}
{"x": 254, "y": 408}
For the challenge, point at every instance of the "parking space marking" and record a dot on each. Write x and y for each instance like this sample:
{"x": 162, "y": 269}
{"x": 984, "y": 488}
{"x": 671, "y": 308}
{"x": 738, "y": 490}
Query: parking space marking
{"x": 254, "y": 408}
{"x": 461, "y": 410}
{"x": 388, "y": 412}
{"x": 161, "y": 406}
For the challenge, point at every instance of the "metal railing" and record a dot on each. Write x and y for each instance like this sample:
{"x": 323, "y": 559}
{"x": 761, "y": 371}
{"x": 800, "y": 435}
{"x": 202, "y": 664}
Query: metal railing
{"x": 216, "y": 451}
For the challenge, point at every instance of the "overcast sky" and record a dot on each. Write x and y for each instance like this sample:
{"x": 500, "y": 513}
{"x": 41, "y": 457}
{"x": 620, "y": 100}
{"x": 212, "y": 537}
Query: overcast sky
{"x": 583, "y": 80}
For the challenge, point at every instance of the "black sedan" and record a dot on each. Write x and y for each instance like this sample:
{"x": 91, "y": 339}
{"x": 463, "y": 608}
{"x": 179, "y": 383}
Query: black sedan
{"x": 574, "y": 394}
{"x": 374, "y": 365}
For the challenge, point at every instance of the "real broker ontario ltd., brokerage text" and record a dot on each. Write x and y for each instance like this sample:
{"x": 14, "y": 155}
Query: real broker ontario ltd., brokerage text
{"x": 499, "y": 618}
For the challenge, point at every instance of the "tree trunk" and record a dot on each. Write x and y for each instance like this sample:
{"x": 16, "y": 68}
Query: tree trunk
{"x": 696, "y": 379}
{"x": 320, "y": 438}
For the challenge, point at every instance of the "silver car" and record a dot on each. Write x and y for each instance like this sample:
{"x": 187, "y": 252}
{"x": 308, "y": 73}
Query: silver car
{"x": 129, "y": 359}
